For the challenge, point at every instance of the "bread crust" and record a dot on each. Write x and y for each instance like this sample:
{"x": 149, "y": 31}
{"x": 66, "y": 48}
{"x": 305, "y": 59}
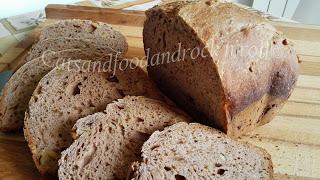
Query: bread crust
{"x": 222, "y": 29}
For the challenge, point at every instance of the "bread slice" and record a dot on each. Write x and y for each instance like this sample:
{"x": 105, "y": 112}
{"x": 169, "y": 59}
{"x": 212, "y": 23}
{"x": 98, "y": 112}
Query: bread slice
{"x": 86, "y": 29}
{"x": 71, "y": 91}
{"x": 18, "y": 90}
{"x": 64, "y": 43}
{"x": 195, "y": 151}
{"x": 220, "y": 62}
{"x": 109, "y": 142}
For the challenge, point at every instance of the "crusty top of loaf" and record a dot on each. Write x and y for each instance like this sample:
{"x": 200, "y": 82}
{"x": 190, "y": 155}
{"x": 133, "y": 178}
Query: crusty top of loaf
{"x": 86, "y": 29}
{"x": 213, "y": 21}
{"x": 116, "y": 137}
{"x": 76, "y": 28}
{"x": 195, "y": 151}
{"x": 227, "y": 32}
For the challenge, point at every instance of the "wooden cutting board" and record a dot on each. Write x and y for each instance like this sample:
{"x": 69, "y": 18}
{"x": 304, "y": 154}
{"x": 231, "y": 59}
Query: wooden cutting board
{"x": 292, "y": 138}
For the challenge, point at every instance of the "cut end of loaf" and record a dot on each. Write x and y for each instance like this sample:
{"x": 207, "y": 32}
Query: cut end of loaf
{"x": 194, "y": 151}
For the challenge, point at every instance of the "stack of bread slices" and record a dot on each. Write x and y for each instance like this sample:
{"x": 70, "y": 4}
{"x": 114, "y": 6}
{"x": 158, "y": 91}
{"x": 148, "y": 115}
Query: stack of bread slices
{"x": 89, "y": 113}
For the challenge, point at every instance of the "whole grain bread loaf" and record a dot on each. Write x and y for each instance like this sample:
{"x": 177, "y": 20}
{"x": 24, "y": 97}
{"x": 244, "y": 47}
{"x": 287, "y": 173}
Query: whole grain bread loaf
{"x": 195, "y": 151}
{"x": 221, "y": 63}
{"x": 71, "y": 91}
{"x": 86, "y": 29}
{"x": 18, "y": 90}
{"x": 108, "y": 142}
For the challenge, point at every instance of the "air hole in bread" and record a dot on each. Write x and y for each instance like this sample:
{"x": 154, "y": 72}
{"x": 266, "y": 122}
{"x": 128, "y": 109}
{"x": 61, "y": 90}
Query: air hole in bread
{"x": 110, "y": 130}
{"x": 120, "y": 106}
{"x": 35, "y": 98}
{"x": 140, "y": 120}
{"x": 76, "y": 89}
{"x": 221, "y": 171}
{"x": 167, "y": 168}
{"x": 154, "y": 147}
{"x": 179, "y": 177}
{"x": 250, "y": 69}
{"x": 93, "y": 28}
{"x": 218, "y": 164}
{"x": 100, "y": 127}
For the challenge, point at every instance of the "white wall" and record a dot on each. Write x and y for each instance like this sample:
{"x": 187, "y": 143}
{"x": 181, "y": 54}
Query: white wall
{"x": 245, "y": 2}
{"x": 308, "y": 12}
{"x": 17, "y": 7}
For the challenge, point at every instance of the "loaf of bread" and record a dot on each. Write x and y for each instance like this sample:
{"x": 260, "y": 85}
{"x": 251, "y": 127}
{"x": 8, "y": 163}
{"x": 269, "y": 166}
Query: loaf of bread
{"x": 226, "y": 66}
{"x": 18, "y": 90}
{"x": 71, "y": 91}
{"x": 195, "y": 151}
{"x": 109, "y": 142}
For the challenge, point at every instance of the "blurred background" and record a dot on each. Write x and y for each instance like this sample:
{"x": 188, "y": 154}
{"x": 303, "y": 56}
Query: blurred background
{"x": 304, "y": 11}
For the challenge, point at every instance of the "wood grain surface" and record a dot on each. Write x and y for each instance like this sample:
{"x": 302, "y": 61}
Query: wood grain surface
{"x": 292, "y": 138}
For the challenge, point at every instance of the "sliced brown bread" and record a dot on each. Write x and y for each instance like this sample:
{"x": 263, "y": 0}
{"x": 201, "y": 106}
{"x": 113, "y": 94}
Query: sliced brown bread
{"x": 86, "y": 29}
{"x": 220, "y": 62}
{"x": 71, "y": 91}
{"x": 18, "y": 90}
{"x": 195, "y": 151}
{"x": 64, "y": 43}
{"x": 109, "y": 142}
